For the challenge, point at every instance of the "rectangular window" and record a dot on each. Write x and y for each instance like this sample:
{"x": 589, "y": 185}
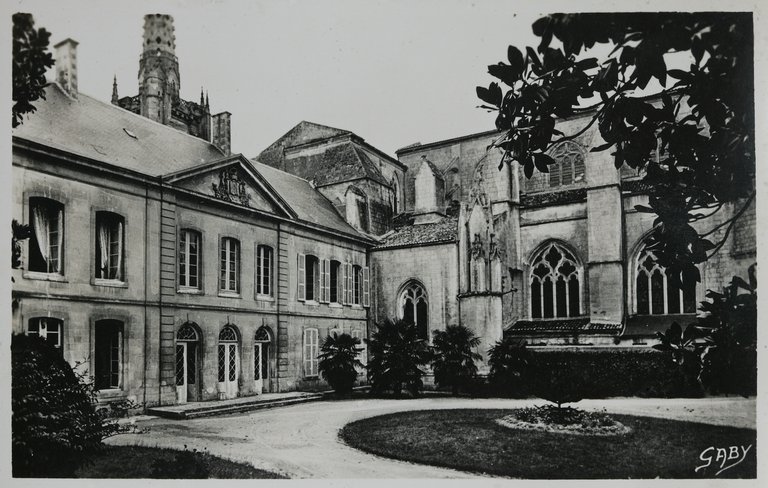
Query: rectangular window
{"x": 48, "y": 328}
{"x": 357, "y": 284}
{"x": 264, "y": 257}
{"x": 229, "y": 280}
{"x": 46, "y": 245}
{"x": 108, "y": 354}
{"x": 110, "y": 251}
{"x": 366, "y": 287}
{"x": 189, "y": 259}
{"x": 335, "y": 283}
{"x": 311, "y": 281}
{"x": 311, "y": 351}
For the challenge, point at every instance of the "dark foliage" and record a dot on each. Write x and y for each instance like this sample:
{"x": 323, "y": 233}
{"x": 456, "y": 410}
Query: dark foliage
{"x": 509, "y": 360}
{"x": 719, "y": 350}
{"x": 55, "y": 426}
{"x": 549, "y": 414}
{"x": 700, "y": 119}
{"x": 30, "y": 61}
{"x": 19, "y": 232}
{"x": 453, "y": 358}
{"x": 397, "y": 354}
{"x": 339, "y": 363}
{"x": 186, "y": 465}
{"x": 556, "y": 380}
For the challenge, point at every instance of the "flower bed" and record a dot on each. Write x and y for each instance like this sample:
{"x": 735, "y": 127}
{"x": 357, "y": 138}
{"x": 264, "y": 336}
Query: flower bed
{"x": 564, "y": 420}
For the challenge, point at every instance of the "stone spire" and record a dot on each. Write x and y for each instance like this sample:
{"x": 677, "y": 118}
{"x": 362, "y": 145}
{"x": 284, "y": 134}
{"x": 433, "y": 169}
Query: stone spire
{"x": 202, "y": 100}
{"x": 159, "y": 80}
{"x": 114, "y": 91}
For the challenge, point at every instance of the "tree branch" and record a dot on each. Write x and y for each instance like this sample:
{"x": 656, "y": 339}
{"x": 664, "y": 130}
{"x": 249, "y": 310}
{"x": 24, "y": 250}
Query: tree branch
{"x": 730, "y": 223}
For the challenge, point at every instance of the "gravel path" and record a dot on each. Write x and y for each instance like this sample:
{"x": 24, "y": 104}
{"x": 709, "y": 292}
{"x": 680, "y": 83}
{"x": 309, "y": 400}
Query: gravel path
{"x": 301, "y": 441}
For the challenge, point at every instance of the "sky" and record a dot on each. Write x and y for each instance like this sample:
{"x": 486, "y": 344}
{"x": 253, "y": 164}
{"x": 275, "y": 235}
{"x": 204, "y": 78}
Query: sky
{"x": 394, "y": 72}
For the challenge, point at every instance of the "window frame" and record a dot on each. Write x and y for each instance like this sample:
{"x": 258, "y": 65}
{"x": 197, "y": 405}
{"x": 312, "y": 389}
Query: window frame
{"x": 120, "y": 219}
{"x": 59, "y": 346}
{"x": 261, "y": 280}
{"x": 225, "y": 265}
{"x": 538, "y": 258}
{"x": 186, "y": 288}
{"x": 635, "y": 271}
{"x": 120, "y": 327}
{"x": 51, "y": 205}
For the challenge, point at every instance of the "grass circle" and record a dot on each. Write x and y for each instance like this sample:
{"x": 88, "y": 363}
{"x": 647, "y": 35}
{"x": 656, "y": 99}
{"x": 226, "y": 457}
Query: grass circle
{"x": 472, "y": 440}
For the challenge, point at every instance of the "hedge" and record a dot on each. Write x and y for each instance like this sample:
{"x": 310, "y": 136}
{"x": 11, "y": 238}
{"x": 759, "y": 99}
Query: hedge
{"x": 609, "y": 373}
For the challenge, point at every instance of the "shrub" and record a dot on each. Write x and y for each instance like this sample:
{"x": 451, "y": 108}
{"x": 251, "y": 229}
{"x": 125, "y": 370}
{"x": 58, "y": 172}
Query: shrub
{"x": 397, "y": 354}
{"x": 509, "y": 360}
{"x": 719, "y": 350}
{"x": 338, "y": 361}
{"x": 556, "y": 381}
{"x": 184, "y": 466}
{"x": 55, "y": 427}
{"x": 453, "y": 358}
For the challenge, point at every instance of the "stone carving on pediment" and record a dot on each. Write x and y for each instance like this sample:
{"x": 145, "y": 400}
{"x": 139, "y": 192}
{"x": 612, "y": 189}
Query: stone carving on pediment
{"x": 231, "y": 187}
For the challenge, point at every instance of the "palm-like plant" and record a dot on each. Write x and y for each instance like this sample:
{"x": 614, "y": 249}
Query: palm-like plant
{"x": 396, "y": 355}
{"x": 338, "y": 361}
{"x": 509, "y": 361}
{"x": 453, "y": 359}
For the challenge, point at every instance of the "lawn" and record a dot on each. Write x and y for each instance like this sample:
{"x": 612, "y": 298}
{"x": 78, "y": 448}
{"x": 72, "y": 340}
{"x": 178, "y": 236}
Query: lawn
{"x": 150, "y": 462}
{"x": 470, "y": 440}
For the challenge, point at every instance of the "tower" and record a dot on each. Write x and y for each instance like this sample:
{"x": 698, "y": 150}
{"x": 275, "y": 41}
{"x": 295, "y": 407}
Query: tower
{"x": 158, "y": 68}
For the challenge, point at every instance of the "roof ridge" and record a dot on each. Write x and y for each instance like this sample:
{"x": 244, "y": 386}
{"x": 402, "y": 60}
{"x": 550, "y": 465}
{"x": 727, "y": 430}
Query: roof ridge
{"x": 254, "y": 160}
{"x": 145, "y": 119}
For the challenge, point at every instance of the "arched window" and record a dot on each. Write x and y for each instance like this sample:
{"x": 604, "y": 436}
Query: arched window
{"x": 655, "y": 292}
{"x": 46, "y": 244}
{"x": 228, "y": 367}
{"x": 414, "y": 308}
{"x": 261, "y": 340}
{"x": 555, "y": 283}
{"x": 569, "y": 164}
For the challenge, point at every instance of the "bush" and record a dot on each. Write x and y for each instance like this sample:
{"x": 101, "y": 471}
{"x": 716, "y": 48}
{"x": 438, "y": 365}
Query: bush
{"x": 557, "y": 381}
{"x": 55, "y": 427}
{"x": 397, "y": 354}
{"x": 338, "y": 361}
{"x": 453, "y": 360}
{"x": 613, "y": 372}
{"x": 509, "y": 360}
{"x": 184, "y": 466}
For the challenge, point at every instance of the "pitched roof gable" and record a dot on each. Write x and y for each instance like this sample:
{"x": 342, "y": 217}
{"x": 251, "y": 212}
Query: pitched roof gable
{"x": 302, "y": 133}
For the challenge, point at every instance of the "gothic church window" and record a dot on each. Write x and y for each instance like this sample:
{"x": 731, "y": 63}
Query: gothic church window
{"x": 656, "y": 293}
{"x": 569, "y": 164}
{"x": 46, "y": 245}
{"x": 555, "y": 283}
{"x": 413, "y": 308}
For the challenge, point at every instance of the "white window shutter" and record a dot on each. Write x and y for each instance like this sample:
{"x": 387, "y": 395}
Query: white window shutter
{"x": 326, "y": 284}
{"x": 366, "y": 287}
{"x": 302, "y": 277}
{"x": 321, "y": 289}
{"x": 350, "y": 285}
{"x": 343, "y": 279}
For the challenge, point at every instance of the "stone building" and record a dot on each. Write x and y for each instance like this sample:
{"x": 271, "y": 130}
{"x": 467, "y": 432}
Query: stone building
{"x": 171, "y": 269}
{"x": 177, "y": 271}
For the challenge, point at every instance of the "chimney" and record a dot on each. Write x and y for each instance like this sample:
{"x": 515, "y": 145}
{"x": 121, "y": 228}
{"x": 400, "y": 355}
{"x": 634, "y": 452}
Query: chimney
{"x": 220, "y": 132}
{"x": 66, "y": 66}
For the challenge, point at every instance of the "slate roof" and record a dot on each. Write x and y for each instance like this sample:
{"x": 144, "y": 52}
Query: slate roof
{"x": 104, "y": 132}
{"x": 444, "y": 231}
{"x": 580, "y": 325}
{"x": 309, "y": 204}
{"x": 340, "y": 162}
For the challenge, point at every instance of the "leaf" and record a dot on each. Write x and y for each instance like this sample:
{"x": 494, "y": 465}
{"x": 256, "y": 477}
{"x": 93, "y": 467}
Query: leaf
{"x": 533, "y": 58}
{"x": 542, "y": 161}
{"x": 491, "y": 95}
{"x": 644, "y": 209}
{"x": 506, "y": 73}
{"x": 679, "y": 74}
{"x": 602, "y": 147}
{"x": 515, "y": 58}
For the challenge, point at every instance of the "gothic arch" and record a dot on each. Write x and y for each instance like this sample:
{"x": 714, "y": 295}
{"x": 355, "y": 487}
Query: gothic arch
{"x": 413, "y": 306}
{"x": 555, "y": 281}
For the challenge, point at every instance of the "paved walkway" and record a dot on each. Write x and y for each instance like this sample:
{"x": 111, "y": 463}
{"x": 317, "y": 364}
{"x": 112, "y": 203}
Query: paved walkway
{"x": 301, "y": 441}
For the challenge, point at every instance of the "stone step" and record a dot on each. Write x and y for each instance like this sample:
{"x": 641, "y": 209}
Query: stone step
{"x": 220, "y": 408}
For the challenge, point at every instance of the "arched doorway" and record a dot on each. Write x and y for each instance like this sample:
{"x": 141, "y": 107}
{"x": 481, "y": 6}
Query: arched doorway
{"x": 229, "y": 362}
{"x": 261, "y": 350}
{"x": 187, "y": 364}
{"x": 414, "y": 308}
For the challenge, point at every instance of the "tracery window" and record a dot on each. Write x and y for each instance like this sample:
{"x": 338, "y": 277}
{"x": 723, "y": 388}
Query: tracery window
{"x": 569, "y": 164}
{"x": 655, "y": 292}
{"x": 414, "y": 308}
{"x": 555, "y": 283}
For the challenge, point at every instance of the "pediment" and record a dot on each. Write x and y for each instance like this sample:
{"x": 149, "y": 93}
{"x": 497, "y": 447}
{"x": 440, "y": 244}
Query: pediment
{"x": 233, "y": 180}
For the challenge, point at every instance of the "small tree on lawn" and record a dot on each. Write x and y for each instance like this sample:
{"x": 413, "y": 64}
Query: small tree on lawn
{"x": 509, "y": 360}
{"x": 397, "y": 354}
{"x": 338, "y": 361}
{"x": 453, "y": 360}
{"x": 55, "y": 426}
{"x": 556, "y": 381}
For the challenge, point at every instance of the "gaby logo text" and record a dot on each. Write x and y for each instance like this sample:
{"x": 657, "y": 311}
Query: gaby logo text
{"x": 722, "y": 458}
